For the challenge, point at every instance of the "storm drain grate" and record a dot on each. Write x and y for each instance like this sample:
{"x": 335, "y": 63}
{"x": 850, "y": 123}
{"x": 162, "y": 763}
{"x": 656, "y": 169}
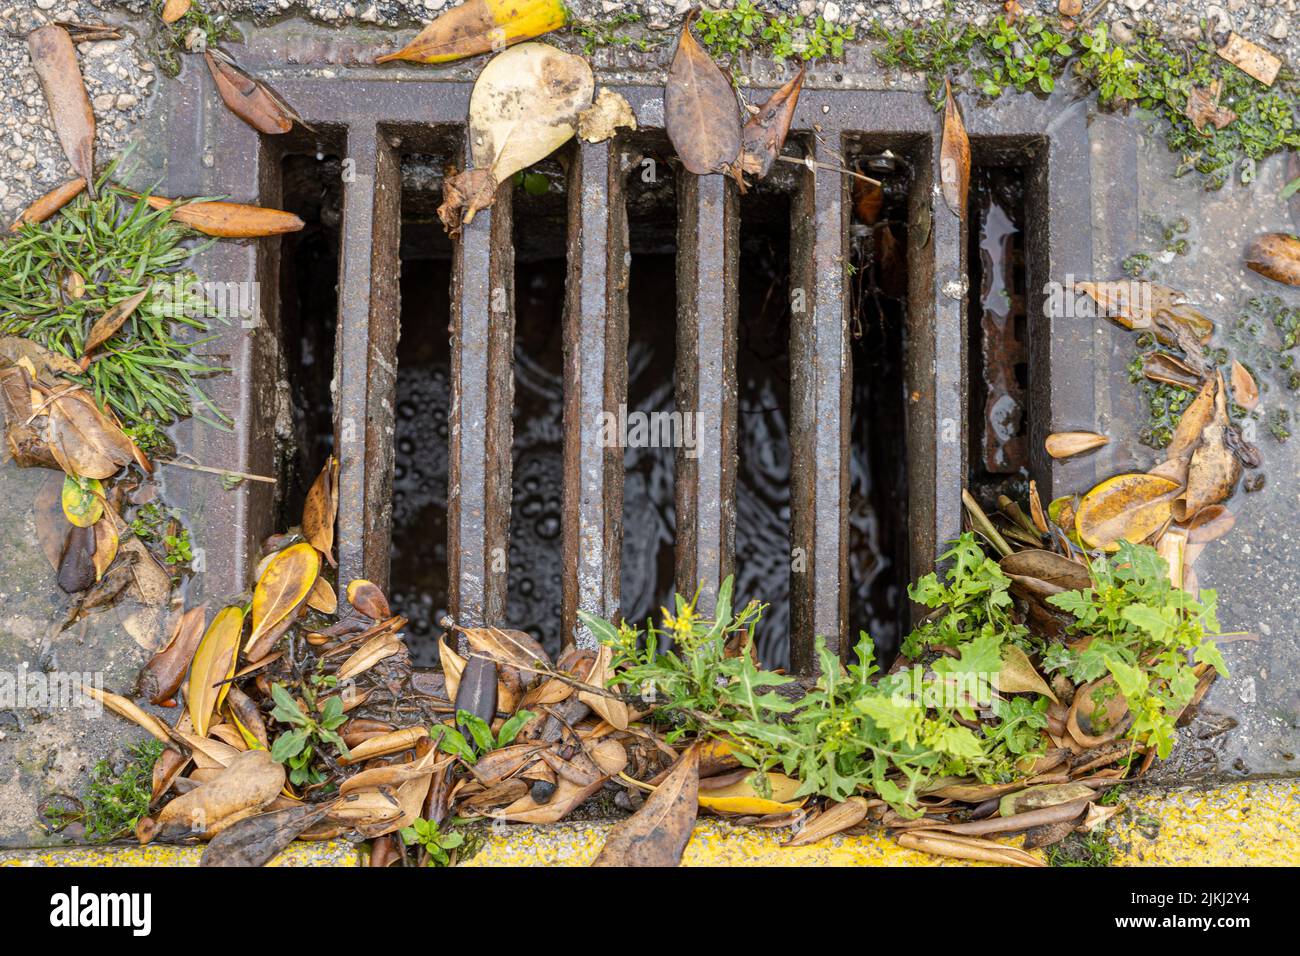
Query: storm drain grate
{"x": 372, "y": 124}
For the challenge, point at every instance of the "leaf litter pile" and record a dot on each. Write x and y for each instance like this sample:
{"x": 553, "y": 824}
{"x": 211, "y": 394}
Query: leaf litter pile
{"x": 1066, "y": 639}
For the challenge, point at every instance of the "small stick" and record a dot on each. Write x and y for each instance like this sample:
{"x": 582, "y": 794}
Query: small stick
{"x": 216, "y": 471}
{"x": 817, "y": 164}
{"x": 983, "y": 525}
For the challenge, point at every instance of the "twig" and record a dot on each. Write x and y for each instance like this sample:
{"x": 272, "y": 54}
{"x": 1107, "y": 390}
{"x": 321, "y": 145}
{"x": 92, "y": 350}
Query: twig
{"x": 811, "y": 163}
{"x": 216, "y": 471}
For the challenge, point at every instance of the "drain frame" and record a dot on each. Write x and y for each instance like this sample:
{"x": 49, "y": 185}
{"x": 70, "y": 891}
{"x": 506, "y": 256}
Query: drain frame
{"x": 383, "y": 118}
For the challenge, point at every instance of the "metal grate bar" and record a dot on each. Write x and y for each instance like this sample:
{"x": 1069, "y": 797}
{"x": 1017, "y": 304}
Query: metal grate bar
{"x": 478, "y": 501}
{"x": 595, "y": 381}
{"x": 708, "y": 258}
{"x": 365, "y": 357}
{"x": 820, "y": 392}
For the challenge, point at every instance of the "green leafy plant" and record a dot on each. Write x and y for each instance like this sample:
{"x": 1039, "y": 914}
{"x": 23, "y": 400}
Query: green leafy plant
{"x": 1021, "y": 55}
{"x": 117, "y": 246}
{"x": 196, "y": 31}
{"x": 452, "y": 741}
{"x": 743, "y": 28}
{"x": 297, "y": 747}
{"x": 606, "y": 32}
{"x": 436, "y": 843}
{"x": 113, "y": 803}
{"x": 1108, "y": 67}
{"x": 158, "y": 525}
{"x": 1142, "y": 632}
{"x": 855, "y": 729}
{"x": 975, "y": 598}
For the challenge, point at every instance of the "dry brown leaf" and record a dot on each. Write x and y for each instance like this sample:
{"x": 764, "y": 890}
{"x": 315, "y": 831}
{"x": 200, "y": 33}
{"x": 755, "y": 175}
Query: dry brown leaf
{"x": 55, "y": 60}
{"x": 954, "y": 157}
{"x": 1245, "y": 391}
{"x": 1171, "y": 370}
{"x": 367, "y": 598}
{"x": 321, "y": 509}
{"x": 82, "y": 439}
{"x": 566, "y": 797}
{"x": 834, "y": 819}
{"x": 608, "y": 112}
{"x": 1098, "y": 714}
{"x": 1210, "y": 523}
{"x": 1128, "y": 506}
{"x": 247, "y": 719}
{"x": 1250, "y": 58}
{"x": 1018, "y": 674}
{"x": 463, "y": 195}
{"x": 1067, "y": 444}
{"x": 125, "y": 708}
{"x": 229, "y": 220}
{"x": 700, "y": 109}
{"x": 322, "y": 597}
{"x": 1198, "y": 414}
{"x": 480, "y": 26}
{"x": 49, "y": 204}
{"x": 1036, "y": 508}
{"x": 942, "y": 844}
{"x": 765, "y": 133}
{"x": 378, "y": 648}
{"x": 173, "y": 10}
{"x": 1173, "y": 548}
{"x": 1042, "y": 795}
{"x": 281, "y": 592}
{"x": 1047, "y": 566}
{"x": 1213, "y": 472}
{"x": 614, "y": 711}
{"x": 657, "y": 834}
{"x": 1276, "y": 256}
{"x": 389, "y": 743}
{"x": 163, "y": 675}
{"x": 106, "y": 325}
{"x": 1203, "y": 107}
{"x": 214, "y": 665}
{"x": 248, "y": 98}
{"x": 251, "y": 781}
{"x": 452, "y": 664}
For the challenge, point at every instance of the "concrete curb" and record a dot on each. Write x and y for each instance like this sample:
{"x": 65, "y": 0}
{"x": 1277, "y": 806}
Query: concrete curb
{"x": 1244, "y": 824}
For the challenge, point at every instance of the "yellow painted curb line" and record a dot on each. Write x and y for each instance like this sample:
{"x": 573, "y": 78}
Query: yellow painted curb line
{"x": 325, "y": 853}
{"x": 1242, "y": 824}
{"x": 1245, "y": 824}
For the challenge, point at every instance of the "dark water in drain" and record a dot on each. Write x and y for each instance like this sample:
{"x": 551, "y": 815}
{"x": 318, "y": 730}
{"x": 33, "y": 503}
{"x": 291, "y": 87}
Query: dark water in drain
{"x": 536, "y": 512}
{"x": 419, "y": 547}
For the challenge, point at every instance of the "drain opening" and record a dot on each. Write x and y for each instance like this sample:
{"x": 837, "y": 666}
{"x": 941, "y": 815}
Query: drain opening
{"x": 311, "y": 187}
{"x": 878, "y": 439}
{"x": 998, "y": 329}
{"x": 418, "y": 552}
{"x": 647, "y": 576}
{"x": 535, "y": 582}
{"x": 763, "y": 542}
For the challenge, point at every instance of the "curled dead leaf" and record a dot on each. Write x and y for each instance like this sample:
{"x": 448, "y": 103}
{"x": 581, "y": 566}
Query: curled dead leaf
{"x": 49, "y": 204}
{"x": 834, "y": 819}
{"x": 320, "y": 510}
{"x": 1245, "y": 391}
{"x": 281, "y": 592}
{"x": 55, "y": 60}
{"x": 1067, "y": 444}
{"x": 1128, "y": 506}
{"x": 251, "y": 781}
{"x": 249, "y": 98}
{"x": 214, "y": 665}
{"x": 367, "y": 598}
{"x": 1276, "y": 256}
{"x": 700, "y": 109}
{"x": 954, "y": 157}
{"x": 657, "y": 834}
{"x": 608, "y": 112}
{"x": 228, "y": 220}
{"x": 765, "y": 133}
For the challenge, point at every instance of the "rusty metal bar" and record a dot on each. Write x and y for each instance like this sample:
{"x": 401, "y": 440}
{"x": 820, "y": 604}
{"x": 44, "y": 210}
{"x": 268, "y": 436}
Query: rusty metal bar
{"x": 936, "y": 363}
{"x": 365, "y": 357}
{"x": 708, "y": 258}
{"x": 821, "y": 380}
{"x": 595, "y": 382}
{"x": 482, "y": 402}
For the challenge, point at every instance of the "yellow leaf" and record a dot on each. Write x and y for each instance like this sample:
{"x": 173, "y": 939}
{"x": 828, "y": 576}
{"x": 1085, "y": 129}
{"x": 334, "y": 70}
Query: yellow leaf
{"x": 282, "y": 589}
{"x": 1130, "y": 506}
{"x": 321, "y": 509}
{"x": 740, "y": 797}
{"x": 214, "y": 665}
{"x": 83, "y": 500}
{"x": 480, "y": 26}
{"x": 1018, "y": 674}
